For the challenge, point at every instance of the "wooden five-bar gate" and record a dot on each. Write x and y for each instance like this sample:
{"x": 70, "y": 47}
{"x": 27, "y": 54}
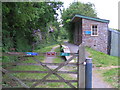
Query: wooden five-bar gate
{"x": 84, "y": 77}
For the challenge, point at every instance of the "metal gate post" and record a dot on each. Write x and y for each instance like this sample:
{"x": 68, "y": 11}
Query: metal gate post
{"x": 88, "y": 73}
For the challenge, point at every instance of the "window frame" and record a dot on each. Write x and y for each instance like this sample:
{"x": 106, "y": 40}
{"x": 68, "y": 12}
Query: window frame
{"x": 92, "y": 29}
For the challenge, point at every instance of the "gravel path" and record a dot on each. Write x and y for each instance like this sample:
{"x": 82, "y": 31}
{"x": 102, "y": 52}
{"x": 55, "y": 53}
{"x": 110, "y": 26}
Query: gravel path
{"x": 49, "y": 59}
{"x": 97, "y": 81}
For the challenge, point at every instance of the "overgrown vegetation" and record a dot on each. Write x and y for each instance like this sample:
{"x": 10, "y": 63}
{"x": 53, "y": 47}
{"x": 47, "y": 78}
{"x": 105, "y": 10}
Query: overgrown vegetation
{"x": 27, "y": 26}
{"x": 25, "y": 20}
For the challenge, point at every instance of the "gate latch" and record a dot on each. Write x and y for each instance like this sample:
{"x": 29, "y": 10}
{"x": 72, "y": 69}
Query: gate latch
{"x": 84, "y": 63}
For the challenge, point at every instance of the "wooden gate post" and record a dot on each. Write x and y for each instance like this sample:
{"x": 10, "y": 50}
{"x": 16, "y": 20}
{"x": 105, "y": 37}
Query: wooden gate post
{"x": 81, "y": 67}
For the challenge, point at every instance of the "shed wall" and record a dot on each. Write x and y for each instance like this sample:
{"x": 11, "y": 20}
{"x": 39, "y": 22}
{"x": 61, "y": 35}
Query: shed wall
{"x": 99, "y": 42}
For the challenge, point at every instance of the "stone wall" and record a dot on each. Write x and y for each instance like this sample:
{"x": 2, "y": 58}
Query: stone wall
{"x": 99, "y": 42}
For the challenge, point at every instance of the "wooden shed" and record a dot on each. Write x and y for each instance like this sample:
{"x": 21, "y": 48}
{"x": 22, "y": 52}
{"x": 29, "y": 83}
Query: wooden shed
{"x": 93, "y": 32}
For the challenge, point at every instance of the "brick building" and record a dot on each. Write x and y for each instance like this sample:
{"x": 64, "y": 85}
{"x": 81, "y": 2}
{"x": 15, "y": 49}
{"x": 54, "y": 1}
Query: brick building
{"x": 93, "y": 32}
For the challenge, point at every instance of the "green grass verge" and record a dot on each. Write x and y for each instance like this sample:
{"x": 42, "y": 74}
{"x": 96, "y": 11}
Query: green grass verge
{"x": 101, "y": 59}
{"x": 113, "y": 77}
{"x": 46, "y": 49}
{"x": 57, "y": 49}
{"x": 58, "y": 60}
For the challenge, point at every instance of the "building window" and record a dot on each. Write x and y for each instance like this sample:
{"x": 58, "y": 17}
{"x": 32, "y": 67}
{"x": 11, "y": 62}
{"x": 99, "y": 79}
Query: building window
{"x": 94, "y": 30}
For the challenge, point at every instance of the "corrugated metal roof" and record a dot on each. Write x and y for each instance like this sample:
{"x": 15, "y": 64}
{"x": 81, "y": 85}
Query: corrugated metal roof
{"x": 90, "y": 18}
{"x": 115, "y": 31}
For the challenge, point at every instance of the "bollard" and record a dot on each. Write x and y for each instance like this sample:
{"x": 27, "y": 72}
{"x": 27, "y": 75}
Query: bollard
{"x": 88, "y": 74}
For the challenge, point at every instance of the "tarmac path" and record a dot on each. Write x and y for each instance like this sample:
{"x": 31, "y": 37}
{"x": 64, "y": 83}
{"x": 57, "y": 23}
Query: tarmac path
{"x": 97, "y": 81}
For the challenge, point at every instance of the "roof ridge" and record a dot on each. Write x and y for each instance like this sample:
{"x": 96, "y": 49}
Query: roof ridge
{"x": 91, "y": 18}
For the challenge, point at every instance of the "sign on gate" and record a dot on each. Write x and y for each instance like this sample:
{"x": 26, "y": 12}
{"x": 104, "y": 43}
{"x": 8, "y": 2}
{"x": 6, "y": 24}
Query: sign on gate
{"x": 32, "y": 53}
{"x": 51, "y": 54}
{"x": 64, "y": 54}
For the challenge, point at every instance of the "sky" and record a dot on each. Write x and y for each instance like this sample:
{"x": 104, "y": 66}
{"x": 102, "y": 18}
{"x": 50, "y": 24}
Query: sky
{"x": 106, "y": 9}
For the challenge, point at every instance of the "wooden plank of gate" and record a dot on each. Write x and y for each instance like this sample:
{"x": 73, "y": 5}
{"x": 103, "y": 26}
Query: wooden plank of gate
{"x": 71, "y": 72}
{"x": 67, "y": 50}
{"x": 15, "y": 78}
{"x": 35, "y": 80}
{"x": 48, "y": 64}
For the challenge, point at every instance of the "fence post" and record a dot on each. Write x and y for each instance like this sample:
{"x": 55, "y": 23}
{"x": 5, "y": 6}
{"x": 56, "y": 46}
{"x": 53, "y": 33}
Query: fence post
{"x": 88, "y": 74}
{"x": 81, "y": 67}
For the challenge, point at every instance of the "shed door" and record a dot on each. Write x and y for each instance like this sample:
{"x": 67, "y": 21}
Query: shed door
{"x": 76, "y": 38}
{"x": 78, "y": 33}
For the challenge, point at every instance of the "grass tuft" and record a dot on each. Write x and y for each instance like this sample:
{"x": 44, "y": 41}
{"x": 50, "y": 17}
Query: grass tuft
{"x": 112, "y": 76}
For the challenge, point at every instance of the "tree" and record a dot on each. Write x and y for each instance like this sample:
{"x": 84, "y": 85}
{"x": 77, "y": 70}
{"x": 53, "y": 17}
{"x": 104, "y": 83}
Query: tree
{"x": 20, "y": 19}
{"x": 76, "y": 8}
